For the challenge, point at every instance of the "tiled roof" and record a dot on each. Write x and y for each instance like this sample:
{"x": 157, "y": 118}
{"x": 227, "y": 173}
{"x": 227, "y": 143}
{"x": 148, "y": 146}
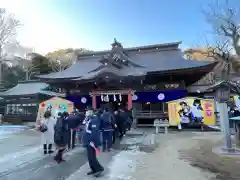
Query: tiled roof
{"x": 75, "y": 71}
{"x": 198, "y": 88}
{"x": 27, "y": 88}
{"x": 153, "y": 60}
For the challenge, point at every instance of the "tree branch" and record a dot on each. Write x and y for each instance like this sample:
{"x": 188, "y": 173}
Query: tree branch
{"x": 225, "y": 23}
{"x": 8, "y": 26}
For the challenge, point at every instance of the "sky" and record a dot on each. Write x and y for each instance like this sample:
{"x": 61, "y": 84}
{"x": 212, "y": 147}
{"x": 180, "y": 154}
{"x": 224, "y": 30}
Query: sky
{"x": 48, "y": 25}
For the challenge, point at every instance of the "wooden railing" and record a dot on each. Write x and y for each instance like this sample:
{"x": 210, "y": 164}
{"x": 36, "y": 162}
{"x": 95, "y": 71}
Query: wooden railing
{"x": 150, "y": 114}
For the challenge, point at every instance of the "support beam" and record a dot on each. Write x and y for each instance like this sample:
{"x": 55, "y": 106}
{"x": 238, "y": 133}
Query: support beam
{"x": 130, "y": 105}
{"x": 94, "y": 101}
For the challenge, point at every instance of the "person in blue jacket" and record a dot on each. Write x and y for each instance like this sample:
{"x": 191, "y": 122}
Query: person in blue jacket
{"x": 91, "y": 141}
{"x": 107, "y": 129}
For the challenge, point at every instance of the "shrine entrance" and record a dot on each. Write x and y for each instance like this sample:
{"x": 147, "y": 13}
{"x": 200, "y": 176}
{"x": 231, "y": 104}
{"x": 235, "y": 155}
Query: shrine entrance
{"x": 112, "y": 99}
{"x": 113, "y": 102}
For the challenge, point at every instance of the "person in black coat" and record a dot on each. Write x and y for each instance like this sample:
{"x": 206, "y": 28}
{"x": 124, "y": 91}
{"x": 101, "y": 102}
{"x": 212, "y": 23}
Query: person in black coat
{"x": 121, "y": 122}
{"x": 116, "y": 123}
{"x": 74, "y": 120}
{"x": 107, "y": 126}
{"x": 114, "y": 126}
{"x": 129, "y": 120}
{"x": 61, "y": 136}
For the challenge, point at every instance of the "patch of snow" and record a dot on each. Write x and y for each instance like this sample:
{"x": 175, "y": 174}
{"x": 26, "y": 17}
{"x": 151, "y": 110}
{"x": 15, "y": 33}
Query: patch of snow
{"x": 18, "y": 159}
{"x": 5, "y": 131}
{"x": 11, "y": 157}
{"x": 123, "y": 164}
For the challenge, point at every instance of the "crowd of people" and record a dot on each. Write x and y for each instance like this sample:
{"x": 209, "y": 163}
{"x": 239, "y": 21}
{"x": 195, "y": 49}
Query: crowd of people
{"x": 94, "y": 128}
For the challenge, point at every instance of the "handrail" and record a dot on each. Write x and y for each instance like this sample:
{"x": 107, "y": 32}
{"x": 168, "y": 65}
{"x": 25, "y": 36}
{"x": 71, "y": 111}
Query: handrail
{"x": 150, "y": 112}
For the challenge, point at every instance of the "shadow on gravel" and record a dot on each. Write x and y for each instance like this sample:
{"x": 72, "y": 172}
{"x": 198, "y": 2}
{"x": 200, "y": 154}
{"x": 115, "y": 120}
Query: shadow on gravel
{"x": 140, "y": 147}
{"x": 202, "y": 156}
{"x": 135, "y": 145}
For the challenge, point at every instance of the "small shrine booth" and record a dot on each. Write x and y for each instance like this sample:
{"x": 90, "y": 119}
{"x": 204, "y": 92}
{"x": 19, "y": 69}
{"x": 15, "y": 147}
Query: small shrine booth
{"x": 142, "y": 78}
{"x": 21, "y": 102}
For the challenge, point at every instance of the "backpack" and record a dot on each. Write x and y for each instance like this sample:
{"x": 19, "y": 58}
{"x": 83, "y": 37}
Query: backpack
{"x": 61, "y": 132}
{"x": 58, "y": 130}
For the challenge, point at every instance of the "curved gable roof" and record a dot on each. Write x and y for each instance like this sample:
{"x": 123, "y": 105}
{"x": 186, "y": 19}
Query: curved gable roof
{"x": 153, "y": 58}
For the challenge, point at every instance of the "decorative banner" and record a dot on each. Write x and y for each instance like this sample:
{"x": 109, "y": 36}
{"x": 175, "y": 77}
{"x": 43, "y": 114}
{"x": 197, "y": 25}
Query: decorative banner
{"x": 56, "y": 105}
{"x": 84, "y": 100}
{"x": 134, "y": 97}
{"x": 161, "y": 96}
{"x": 191, "y": 111}
{"x": 169, "y": 95}
{"x": 156, "y": 96}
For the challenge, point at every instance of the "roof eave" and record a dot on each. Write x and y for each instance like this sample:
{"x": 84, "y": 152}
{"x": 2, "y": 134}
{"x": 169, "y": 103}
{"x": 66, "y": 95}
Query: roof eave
{"x": 207, "y": 67}
{"x": 14, "y": 95}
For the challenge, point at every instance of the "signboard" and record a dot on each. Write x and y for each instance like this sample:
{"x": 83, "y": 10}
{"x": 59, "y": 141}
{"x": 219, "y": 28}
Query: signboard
{"x": 172, "y": 86}
{"x": 160, "y": 86}
{"x": 55, "y": 105}
{"x": 191, "y": 110}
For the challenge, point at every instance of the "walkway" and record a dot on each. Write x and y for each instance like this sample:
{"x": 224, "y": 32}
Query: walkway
{"x": 135, "y": 158}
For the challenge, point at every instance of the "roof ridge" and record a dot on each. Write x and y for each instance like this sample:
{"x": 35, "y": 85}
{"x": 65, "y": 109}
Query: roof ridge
{"x": 151, "y": 46}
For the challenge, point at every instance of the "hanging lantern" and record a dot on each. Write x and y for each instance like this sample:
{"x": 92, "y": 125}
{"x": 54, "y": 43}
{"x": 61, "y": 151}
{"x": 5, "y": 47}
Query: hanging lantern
{"x": 102, "y": 98}
{"x": 120, "y": 97}
{"x": 114, "y": 97}
{"x": 107, "y": 98}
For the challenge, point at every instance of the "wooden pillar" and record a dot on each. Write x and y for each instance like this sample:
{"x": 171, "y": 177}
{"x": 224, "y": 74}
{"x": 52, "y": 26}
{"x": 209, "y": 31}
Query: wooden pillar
{"x": 130, "y": 105}
{"x": 94, "y": 101}
{"x": 237, "y": 133}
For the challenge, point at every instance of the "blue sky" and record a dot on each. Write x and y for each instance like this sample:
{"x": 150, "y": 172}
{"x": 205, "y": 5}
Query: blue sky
{"x": 52, "y": 24}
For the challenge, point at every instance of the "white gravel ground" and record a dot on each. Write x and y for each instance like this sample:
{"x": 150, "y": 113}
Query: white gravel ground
{"x": 165, "y": 162}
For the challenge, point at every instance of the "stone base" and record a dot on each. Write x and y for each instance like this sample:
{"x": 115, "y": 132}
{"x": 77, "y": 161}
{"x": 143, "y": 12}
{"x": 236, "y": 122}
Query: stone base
{"x": 226, "y": 151}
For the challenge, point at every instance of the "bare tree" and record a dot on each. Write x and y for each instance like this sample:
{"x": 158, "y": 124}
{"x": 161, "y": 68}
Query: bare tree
{"x": 225, "y": 21}
{"x": 8, "y": 27}
{"x": 226, "y": 29}
{"x": 220, "y": 52}
{"x": 62, "y": 62}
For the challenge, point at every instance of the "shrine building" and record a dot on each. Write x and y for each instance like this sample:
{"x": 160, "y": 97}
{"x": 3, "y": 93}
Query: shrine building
{"x": 144, "y": 78}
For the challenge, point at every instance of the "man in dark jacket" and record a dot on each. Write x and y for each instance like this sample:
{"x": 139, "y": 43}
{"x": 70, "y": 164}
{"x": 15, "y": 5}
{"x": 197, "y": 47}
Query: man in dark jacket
{"x": 121, "y": 121}
{"x": 91, "y": 140}
{"x": 107, "y": 129}
{"x": 129, "y": 120}
{"x": 74, "y": 120}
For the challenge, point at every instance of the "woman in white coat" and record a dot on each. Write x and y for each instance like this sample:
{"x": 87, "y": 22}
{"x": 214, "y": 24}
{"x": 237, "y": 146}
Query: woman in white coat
{"x": 48, "y": 136}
